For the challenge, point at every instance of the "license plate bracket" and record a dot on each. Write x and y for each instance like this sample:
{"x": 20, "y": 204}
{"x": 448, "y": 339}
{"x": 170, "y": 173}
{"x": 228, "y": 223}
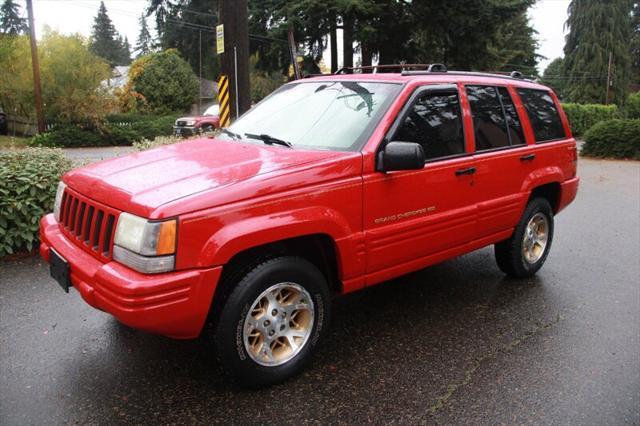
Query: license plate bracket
{"x": 59, "y": 270}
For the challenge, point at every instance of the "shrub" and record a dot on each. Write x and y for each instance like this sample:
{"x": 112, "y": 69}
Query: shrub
{"x": 159, "y": 82}
{"x": 118, "y": 130}
{"x": 67, "y": 136}
{"x": 613, "y": 139}
{"x": 583, "y": 116}
{"x": 632, "y": 107}
{"x": 29, "y": 180}
{"x": 159, "y": 141}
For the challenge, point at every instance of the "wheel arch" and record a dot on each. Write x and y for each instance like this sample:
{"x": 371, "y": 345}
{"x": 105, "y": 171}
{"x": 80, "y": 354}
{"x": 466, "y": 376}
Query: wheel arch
{"x": 319, "y": 249}
{"x": 549, "y": 191}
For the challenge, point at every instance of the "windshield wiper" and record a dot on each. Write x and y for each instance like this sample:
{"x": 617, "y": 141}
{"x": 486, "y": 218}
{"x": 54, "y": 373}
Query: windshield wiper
{"x": 230, "y": 133}
{"x": 269, "y": 140}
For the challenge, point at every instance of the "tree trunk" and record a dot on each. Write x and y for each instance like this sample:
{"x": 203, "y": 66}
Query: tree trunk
{"x": 333, "y": 41}
{"x": 367, "y": 54}
{"x": 347, "y": 41}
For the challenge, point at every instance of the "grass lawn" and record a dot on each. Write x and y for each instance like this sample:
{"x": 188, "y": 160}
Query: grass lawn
{"x": 11, "y": 142}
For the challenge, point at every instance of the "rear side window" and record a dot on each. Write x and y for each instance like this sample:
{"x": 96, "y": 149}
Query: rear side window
{"x": 543, "y": 114}
{"x": 434, "y": 121}
{"x": 513, "y": 122}
{"x": 489, "y": 124}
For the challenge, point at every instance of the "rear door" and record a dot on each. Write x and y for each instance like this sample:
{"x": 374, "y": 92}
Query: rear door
{"x": 502, "y": 158}
{"x": 412, "y": 215}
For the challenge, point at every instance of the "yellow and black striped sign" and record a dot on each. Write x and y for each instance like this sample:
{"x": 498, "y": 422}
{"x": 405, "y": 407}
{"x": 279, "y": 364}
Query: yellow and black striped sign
{"x": 223, "y": 101}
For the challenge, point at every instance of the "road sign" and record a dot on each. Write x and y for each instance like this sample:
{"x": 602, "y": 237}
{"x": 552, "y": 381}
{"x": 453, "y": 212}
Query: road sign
{"x": 223, "y": 101}
{"x": 220, "y": 39}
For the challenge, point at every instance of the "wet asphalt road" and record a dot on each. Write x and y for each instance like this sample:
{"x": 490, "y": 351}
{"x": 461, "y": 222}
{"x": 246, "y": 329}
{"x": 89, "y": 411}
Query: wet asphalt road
{"x": 456, "y": 343}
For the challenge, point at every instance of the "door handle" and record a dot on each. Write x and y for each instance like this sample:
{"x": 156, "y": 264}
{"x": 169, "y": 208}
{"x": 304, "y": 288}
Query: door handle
{"x": 528, "y": 157}
{"x": 468, "y": 171}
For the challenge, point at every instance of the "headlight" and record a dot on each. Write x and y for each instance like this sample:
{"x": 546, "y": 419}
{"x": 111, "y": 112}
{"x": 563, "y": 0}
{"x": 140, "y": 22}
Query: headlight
{"x": 58, "y": 203}
{"x": 145, "y": 246}
{"x": 190, "y": 122}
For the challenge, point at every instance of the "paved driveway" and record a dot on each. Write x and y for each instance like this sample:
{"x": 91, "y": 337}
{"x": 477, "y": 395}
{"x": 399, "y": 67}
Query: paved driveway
{"x": 456, "y": 343}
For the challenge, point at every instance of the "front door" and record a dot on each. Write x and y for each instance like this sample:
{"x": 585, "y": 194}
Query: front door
{"x": 413, "y": 216}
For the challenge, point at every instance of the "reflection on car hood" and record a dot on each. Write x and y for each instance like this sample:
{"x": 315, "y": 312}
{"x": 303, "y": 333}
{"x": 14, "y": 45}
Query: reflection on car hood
{"x": 142, "y": 182}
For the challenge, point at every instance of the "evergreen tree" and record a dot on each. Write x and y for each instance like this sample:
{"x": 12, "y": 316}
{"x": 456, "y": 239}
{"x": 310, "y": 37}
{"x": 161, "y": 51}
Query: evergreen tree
{"x": 145, "y": 42}
{"x": 10, "y": 21}
{"x": 553, "y": 77}
{"x": 188, "y": 26}
{"x": 514, "y": 46}
{"x": 106, "y": 42}
{"x": 598, "y": 28}
{"x": 635, "y": 44}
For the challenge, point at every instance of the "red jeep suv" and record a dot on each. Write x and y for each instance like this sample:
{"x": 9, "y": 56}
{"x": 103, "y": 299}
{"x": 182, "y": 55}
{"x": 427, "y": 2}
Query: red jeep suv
{"x": 330, "y": 185}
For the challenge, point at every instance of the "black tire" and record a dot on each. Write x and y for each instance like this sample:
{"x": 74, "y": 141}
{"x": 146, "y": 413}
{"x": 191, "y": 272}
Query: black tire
{"x": 206, "y": 129}
{"x": 510, "y": 253}
{"x": 229, "y": 338}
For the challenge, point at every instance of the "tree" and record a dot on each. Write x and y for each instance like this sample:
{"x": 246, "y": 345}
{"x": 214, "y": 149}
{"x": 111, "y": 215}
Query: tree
{"x": 188, "y": 26}
{"x": 145, "y": 41}
{"x": 465, "y": 34}
{"x": 106, "y": 42}
{"x": 10, "y": 21}
{"x": 160, "y": 82}
{"x": 554, "y": 77}
{"x": 514, "y": 46}
{"x": 598, "y": 28}
{"x": 71, "y": 78}
{"x": 635, "y": 44}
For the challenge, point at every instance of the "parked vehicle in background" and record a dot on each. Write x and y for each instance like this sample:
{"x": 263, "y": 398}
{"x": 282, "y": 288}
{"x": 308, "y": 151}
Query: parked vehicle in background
{"x": 190, "y": 126}
{"x": 330, "y": 185}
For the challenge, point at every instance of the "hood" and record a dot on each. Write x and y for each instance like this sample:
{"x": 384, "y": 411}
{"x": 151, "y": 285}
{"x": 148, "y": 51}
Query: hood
{"x": 140, "y": 183}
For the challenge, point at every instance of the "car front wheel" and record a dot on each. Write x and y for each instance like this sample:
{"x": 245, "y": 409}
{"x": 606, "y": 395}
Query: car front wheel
{"x": 272, "y": 321}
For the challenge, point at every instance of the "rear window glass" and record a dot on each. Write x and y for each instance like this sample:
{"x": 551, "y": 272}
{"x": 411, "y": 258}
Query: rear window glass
{"x": 543, "y": 114}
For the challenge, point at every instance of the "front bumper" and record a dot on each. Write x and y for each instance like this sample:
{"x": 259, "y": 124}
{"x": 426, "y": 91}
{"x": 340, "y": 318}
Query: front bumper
{"x": 174, "y": 304}
{"x": 185, "y": 130}
{"x": 568, "y": 192}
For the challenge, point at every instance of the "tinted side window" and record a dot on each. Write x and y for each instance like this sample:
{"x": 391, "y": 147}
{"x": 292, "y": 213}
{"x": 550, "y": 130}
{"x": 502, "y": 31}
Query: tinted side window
{"x": 513, "y": 122}
{"x": 434, "y": 122}
{"x": 543, "y": 114}
{"x": 489, "y": 124}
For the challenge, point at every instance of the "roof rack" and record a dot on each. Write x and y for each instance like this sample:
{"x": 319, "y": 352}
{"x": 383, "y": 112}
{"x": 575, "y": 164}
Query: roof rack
{"x": 400, "y": 67}
{"x": 515, "y": 75}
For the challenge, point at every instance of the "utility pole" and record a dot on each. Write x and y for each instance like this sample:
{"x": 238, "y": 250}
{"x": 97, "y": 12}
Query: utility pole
{"x": 200, "y": 72}
{"x": 606, "y": 102}
{"x": 235, "y": 59}
{"x": 36, "y": 68}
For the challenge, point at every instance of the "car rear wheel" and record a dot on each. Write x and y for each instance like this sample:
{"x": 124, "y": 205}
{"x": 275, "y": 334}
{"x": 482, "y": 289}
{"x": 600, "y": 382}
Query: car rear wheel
{"x": 524, "y": 253}
{"x": 272, "y": 321}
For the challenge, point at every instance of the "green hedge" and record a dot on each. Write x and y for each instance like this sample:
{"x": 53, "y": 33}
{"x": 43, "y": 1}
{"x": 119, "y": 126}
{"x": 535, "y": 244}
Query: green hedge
{"x": 613, "y": 139}
{"x": 583, "y": 116}
{"x": 117, "y": 130}
{"x": 29, "y": 180}
{"x": 632, "y": 108}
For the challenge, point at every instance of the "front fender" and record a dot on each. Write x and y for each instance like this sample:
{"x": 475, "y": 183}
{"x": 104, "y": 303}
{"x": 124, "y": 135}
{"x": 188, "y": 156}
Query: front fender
{"x": 241, "y": 235}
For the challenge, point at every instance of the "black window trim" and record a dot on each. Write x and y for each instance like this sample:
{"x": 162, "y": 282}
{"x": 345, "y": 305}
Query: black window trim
{"x": 557, "y": 107}
{"x": 504, "y": 114}
{"x": 404, "y": 112}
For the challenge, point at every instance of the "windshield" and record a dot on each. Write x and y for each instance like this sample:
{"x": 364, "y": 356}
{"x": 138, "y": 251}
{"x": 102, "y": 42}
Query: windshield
{"x": 330, "y": 115}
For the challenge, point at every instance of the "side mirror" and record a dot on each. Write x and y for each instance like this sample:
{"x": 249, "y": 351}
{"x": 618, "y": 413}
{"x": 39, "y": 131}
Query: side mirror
{"x": 401, "y": 156}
